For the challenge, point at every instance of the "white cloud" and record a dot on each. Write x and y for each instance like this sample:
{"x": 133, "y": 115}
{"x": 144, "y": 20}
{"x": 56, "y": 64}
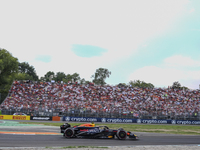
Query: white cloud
{"x": 160, "y": 77}
{"x": 181, "y": 61}
{"x": 192, "y": 10}
{"x": 170, "y": 71}
{"x": 31, "y": 28}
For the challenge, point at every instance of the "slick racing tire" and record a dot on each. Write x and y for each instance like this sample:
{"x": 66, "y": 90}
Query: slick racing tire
{"x": 120, "y": 129}
{"x": 121, "y": 134}
{"x": 69, "y": 133}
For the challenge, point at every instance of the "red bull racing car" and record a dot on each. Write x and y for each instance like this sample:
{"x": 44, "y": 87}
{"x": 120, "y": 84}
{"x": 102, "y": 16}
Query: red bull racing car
{"x": 92, "y": 131}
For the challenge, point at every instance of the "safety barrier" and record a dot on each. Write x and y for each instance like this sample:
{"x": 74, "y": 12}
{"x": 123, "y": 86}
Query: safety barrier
{"x": 122, "y": 120}
{"x": 41, "y": 118}
{"x": 14, "y": 117}
{"x": 103, "y": 120}
{"x": 87, "y": 113}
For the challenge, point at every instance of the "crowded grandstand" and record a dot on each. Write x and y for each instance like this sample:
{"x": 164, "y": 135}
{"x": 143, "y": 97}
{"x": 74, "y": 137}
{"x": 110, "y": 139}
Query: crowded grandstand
{"x": 89, "y": 100}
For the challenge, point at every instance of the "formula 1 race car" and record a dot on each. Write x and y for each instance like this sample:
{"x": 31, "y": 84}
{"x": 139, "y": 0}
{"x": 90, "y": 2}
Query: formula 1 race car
{"x": 92, "y": 131}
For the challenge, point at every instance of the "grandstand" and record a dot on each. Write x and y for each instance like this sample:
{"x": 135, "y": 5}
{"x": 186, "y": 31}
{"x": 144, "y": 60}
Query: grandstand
{"x": 73, "y": 99}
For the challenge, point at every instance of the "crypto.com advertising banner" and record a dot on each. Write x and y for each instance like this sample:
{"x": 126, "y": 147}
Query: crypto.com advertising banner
{"x": 138, "y": 121}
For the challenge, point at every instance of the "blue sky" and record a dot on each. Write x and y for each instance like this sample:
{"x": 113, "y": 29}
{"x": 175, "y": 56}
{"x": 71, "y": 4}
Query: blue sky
{"x": 87, "y": 50}
{"x": 156, "y": 41}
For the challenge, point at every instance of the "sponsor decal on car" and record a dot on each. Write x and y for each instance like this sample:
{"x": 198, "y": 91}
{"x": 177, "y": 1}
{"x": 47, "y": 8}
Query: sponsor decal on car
{"x": 93, "y": 130}
{"x": 83, "y": 129}
{"x": 90, "y": 130}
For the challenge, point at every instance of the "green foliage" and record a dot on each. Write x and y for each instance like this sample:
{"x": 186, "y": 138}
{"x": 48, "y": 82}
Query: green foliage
{"x": 75, "y": 147}
{"x": 60, "y": 76}
{"x": 68, "y": 78}
{"x": 50, "y": 75}
{"x": 23, "y": 76}
{"x": 8, "y": 70}
{"x": 8, "y": 65}
{"x": 177, "y": 85}
{"x": 25, "y": 68}
{"x": 122, "y": 85}
{"x": 100, "y": 75}
{"x": 75, "y": 77}
{"x": 141, "y": 84}
{"x": 42, "y": 79}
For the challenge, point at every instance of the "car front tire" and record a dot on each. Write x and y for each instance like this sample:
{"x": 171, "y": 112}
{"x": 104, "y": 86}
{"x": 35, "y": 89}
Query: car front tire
{"x": 121, "y": 134}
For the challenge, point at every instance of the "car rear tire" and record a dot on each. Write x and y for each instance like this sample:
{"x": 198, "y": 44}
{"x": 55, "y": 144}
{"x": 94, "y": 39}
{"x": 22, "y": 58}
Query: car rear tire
{"x": 121, "y": 134}
{"x": 69, "y": 133}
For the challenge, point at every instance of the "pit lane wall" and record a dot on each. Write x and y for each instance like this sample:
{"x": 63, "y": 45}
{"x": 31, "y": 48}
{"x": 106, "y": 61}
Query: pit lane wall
{"x": 138, "y": 121}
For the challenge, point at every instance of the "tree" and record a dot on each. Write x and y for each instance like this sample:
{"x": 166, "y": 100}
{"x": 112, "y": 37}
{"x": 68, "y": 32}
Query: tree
{"x": 141, "y": 84}
{"x": 23, "y": 76}
{"x": 8, "y": 64}
{"x": 100, "y": 75}
{"x": 60, "y": 76}
{"x": 176, "y": 85}
{"x": 82, "y": 81}
{"x": 50, "y": 75}
{"x": 42, "y": 79}
{"x": 24, "y": 67}
{"x": 8, "y": 70}
{"x": 68, "y": 78}
{"x": 122, "y": 85}
{"x": 75, "y": 77}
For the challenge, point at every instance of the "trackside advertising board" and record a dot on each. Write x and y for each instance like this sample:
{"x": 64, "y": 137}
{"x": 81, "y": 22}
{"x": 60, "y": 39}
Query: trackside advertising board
{"x": 14, "y": 117}
{"x": 122, "y": 120}
{"x": 42, "y": 118}
{"x": 81, "y": 119}
{"x": 156, "y": 121}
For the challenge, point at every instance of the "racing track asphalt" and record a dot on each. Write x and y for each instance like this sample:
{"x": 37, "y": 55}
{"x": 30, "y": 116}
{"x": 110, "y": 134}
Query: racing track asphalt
{"x": 7, "y": 140}
{"x": 27, "y": 140}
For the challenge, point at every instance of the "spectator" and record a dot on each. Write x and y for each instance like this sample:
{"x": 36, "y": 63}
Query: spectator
{"x": 46, "y": 96}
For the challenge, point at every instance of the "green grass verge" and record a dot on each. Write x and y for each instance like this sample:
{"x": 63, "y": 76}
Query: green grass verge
{"x": 169, "y": 129}
{"x": 76, "y": 147}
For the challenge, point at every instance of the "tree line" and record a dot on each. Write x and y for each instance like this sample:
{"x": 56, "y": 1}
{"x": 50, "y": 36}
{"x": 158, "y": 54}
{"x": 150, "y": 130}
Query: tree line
{"x": 11, "y": 69}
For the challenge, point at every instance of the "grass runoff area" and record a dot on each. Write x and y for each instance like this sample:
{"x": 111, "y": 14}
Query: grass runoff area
{"x": 78, "y": 147}
{"x": 167, "y": 129}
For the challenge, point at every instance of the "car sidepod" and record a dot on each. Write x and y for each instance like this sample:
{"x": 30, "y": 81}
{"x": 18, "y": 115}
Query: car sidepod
{"x": 86, "y": 131}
